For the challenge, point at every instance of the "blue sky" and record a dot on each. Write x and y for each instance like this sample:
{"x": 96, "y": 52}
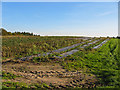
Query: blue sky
{"x": 61, "y": 18}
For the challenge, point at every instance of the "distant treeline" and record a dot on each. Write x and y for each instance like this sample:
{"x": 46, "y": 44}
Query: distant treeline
{"x": 5, "y": 33}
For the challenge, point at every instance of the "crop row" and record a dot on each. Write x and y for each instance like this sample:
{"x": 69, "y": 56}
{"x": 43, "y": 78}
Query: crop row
{"x": 26, "y": 46}
{"x": 104, "y": 63}
{"x": 76, "y": 50}
{"x": 57, "y": 52}
{"x": 46, "y": 57}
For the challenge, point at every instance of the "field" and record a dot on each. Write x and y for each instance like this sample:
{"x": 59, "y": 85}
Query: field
{"x": 25, "y": 46}
{"x": 104, "y": 63}
{"x": 85, "y": 67}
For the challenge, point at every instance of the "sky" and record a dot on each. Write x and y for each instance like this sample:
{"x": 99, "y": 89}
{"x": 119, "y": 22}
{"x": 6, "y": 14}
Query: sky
{"x": 61, "y": 18}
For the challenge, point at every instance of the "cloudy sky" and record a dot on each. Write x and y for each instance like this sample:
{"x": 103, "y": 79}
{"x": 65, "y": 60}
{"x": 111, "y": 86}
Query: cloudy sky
{"x": 61, "y": 18}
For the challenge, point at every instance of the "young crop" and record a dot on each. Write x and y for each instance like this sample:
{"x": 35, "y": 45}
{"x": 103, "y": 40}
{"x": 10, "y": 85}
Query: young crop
{"x": 16, "y": 47}
{"x": 104, "y": 63}
{"x": 8, "y": 75}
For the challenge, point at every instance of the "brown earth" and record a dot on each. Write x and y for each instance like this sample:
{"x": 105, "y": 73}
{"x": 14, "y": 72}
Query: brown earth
{"x": 49, "y": 73}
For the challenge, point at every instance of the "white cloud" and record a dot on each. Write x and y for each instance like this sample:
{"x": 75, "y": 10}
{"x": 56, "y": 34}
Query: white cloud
{"x": 105, "y": 13}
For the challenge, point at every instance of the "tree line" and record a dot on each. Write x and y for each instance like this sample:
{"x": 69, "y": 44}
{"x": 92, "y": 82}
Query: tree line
{"x": 5, "y": 33}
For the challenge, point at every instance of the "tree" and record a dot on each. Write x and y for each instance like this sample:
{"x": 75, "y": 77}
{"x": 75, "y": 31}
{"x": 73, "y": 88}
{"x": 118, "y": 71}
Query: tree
{"x": 4, "y": 32}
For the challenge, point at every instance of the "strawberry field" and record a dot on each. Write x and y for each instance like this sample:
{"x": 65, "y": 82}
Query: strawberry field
{"x": 103, "y": 62}
{"x": 25, "y": 46}
{"x": 80, "y": 62}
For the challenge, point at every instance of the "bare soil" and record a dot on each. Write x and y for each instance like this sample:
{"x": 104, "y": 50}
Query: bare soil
{"x": 49, "y": 73}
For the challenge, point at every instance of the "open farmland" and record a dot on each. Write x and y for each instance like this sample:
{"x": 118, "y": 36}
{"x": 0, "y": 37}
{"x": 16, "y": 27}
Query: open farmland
{"x": 104, "y": 63}
{"x": 60, "y": 62}
{"x": 25, "y": 46}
